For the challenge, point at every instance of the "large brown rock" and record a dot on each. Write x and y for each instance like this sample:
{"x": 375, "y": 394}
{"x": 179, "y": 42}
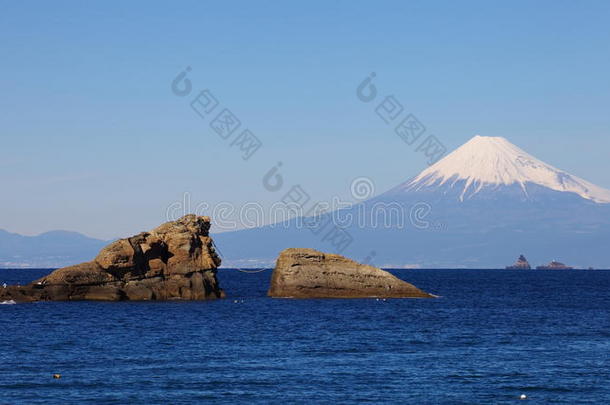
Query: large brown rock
{"x": 307, "y": 273}
{"x": 177, "y": 260}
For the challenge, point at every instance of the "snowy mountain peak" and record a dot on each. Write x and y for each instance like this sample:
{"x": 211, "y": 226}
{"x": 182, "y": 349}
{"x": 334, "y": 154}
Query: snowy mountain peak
{"x": 489, "y": 162}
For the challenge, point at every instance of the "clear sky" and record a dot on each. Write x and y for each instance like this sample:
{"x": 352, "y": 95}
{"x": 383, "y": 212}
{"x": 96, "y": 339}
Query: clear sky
{"x": 94, "y": 140}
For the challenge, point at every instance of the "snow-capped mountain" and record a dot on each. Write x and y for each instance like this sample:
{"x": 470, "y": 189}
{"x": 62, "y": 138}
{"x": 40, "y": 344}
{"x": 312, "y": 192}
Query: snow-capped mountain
{"x": 481, "y": 206}
{"x": 487, "y": 163}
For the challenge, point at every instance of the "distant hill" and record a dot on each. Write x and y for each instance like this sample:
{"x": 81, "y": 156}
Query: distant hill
{"x": 48, "y": 250}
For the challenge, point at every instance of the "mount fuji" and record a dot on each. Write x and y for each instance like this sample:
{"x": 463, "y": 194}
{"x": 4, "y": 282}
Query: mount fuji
{"x": 481, "y": 206}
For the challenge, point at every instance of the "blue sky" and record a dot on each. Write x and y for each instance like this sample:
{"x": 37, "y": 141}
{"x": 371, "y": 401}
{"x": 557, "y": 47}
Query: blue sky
{"x": 94, "y": 140}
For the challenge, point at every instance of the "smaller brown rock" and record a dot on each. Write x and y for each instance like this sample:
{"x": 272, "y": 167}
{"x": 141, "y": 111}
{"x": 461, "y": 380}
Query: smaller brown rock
{"x": 307, "y": 273}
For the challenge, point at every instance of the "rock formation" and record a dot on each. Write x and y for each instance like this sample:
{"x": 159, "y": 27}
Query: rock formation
{"x": 307, "y": 273}
{"x": 521, "y": 264}
{"x": 177, "y": 260}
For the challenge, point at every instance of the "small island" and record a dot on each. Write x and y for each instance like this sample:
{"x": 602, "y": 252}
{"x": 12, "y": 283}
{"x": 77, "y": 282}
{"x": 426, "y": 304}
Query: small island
{"x": 554, "y": 265}
{"x": 520, "y": 264}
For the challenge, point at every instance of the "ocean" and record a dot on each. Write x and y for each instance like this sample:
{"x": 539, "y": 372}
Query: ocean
{"x": 490, "y": 337}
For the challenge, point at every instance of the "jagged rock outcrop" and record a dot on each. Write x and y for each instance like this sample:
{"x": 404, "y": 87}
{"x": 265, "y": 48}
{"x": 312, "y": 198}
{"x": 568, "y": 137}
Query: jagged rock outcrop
{"x": 307, "y": 273}
{"x": 520, "y": 264}
{"x": 177, "y": 260}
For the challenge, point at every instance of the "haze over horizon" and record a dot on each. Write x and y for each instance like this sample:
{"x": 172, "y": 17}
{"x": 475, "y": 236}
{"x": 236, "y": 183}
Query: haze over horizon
{"x": 473, "y": 208}
{"x": 94, "y": 140}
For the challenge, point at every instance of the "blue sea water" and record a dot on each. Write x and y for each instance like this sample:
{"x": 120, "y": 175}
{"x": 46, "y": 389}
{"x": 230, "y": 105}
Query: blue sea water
{"x": 492, "y": 336}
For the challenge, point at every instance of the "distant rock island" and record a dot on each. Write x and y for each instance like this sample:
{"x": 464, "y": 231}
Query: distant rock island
{"x": 554, "y": 266}
{"x": 177, "y": 260}
{"x": 308, "y": 273}
{"x": 520, "y": 264}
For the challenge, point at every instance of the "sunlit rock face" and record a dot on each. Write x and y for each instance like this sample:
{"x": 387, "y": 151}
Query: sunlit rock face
{"x": 177, "y": 260}
{"x": 307, "y": 273}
